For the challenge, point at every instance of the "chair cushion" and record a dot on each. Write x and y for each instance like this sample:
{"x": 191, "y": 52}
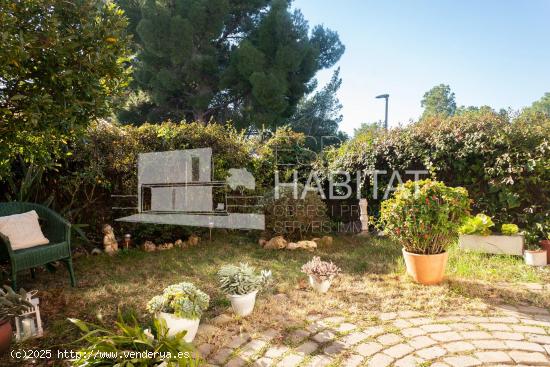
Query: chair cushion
{"x": 23, "y": 230}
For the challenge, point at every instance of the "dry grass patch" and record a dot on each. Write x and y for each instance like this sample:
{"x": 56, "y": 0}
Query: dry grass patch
{"x": 373, "y": 281}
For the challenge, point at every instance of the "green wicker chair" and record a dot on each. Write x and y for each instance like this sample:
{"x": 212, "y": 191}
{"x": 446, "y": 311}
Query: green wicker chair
{"x": 55, "y": 228}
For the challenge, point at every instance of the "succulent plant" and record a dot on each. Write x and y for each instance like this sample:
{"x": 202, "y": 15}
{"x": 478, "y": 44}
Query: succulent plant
{"x": 509, "y": 229}
{"x": 242, "y": 279}
{"x": 480, "y": 225}
{"x": 182, "y": 299}
{"x": 322, "y": 270}
{"x": 12, "y": 304}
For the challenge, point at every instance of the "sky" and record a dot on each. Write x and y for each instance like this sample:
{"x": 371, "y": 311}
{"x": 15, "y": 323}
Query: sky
{"x": 490, "y": 52}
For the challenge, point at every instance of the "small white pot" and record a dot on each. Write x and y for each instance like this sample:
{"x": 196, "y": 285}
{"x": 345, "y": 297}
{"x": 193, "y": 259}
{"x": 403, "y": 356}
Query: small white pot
{"x": 535, "y": 258}
{"x": 177, "y": 324}
{"x": 243, "y": 305}
{"x": 320, "y": 286}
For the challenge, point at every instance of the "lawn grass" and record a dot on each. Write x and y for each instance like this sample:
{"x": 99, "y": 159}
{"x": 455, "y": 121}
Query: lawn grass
{"x": 373, "y": 281}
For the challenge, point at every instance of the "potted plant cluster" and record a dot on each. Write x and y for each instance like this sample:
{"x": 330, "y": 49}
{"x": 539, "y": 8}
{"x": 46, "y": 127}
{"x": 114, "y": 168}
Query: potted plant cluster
{"x": 180, "y": 306}
{"x": 424, "y": 217}
{"x": 536, "y": 252}
{"x": 12, "y": 304}
{"x": 241, "y": 284}
{"x": 152, "y": 347}
{"x": 321, "y": 273}
{"x": 476, "y": 234}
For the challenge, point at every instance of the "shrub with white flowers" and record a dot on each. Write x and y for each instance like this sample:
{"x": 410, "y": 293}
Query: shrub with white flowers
{"x": 182, "y": 299}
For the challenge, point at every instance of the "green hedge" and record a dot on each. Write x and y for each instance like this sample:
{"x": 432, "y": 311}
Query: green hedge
{"x": 103, "y": 162}
{"x": 503, "y": 162}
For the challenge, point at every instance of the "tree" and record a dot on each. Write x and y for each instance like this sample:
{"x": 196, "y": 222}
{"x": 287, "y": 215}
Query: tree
{"x": 439, "y": 100}
{"x": 318, "y": 116}
{"x": 61, "y": 64}
{"x": 368, "y": 129}
{"x": 246, "y": 60}
{"x": 542, "y": 105}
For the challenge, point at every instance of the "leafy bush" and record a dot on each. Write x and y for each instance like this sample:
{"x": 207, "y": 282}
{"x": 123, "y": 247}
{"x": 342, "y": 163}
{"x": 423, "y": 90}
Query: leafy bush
{"x": 539, "y": 232}
{"x": 501, "y": 160}
{"x": 242, "y": 279}
{"x": 132, "y": 346}
{"x": 53, "y": 79}
{"x": 293, "y": 217}
{"x": 480, "y": 224}
{"x": 322, "y": 270}
{"x": 104, "y": 162}
{"x": 425, "y": 220}
{"x": 509, "y": 229}
{"x": 182, "y": 299}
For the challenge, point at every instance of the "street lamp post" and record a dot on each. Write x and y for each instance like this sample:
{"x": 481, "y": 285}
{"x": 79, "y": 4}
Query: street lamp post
{"x": 385, "y": 96}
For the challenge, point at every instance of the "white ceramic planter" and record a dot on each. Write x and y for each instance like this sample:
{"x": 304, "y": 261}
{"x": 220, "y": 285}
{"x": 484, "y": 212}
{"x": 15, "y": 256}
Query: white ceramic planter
{"x": 535, "y": 258}
{"x": 318, "y": 285}
{"x": 177, "y": 324}
{"x": 243, "y": 305}
{"x": 493, "y": 244}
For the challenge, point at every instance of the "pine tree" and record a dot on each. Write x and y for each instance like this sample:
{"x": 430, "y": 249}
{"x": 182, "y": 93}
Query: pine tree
{"x": 250, "y": 61}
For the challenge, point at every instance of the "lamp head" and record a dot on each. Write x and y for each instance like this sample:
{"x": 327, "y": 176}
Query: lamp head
{"x": 383, "y": 96}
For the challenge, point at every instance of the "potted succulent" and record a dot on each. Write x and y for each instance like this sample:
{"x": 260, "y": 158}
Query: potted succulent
{"x": 180, "y": 306}
{"x": 321, "y": 273}
{"x": 241, "y": 284}
{"x": 11, "y": 304}
{"x": 476, "y": 234}
{"x": 424, "y": 216}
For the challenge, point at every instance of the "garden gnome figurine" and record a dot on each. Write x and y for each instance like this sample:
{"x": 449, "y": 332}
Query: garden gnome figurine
{"x": 110, "y": 245}
{"x": 363, "y": 217}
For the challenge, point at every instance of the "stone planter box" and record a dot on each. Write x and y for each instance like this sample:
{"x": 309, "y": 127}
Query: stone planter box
{"x": 493, "y": 244}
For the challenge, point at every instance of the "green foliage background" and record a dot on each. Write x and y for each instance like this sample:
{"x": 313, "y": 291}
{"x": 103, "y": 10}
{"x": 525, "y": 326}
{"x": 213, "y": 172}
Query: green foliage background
{"x": 503, "y": 162}
{"x": 62, "y": 64}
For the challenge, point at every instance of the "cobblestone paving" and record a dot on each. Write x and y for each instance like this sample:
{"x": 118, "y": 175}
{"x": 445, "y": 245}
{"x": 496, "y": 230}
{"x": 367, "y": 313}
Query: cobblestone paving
{"x": 517, "y": 336}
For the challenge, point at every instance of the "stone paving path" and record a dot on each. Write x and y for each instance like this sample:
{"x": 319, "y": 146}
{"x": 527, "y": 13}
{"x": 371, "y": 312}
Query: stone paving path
{"x": 517, "y": 336}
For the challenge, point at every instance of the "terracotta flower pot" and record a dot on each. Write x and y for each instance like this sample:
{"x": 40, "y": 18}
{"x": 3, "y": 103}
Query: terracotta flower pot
{"x": 6, "y": 334}
{"x": 545, "y": 245}
{"x": 426, "y": 269}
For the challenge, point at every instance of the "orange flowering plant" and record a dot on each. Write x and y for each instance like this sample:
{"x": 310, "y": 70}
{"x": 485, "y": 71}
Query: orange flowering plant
{"x": 424, "y": 216}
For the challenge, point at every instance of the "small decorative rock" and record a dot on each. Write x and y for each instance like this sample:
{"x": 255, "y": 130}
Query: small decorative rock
{"x": 292, "y": 246}
{"x": 307, "y": 245}
{"x": 96, "y": 251}
{"x": 276, "y": 243}
{"x": 165, "y": 246}
{"x": 193, "y": 240}
{"x": 149, "y": 246}
{"x": 327, "y": 240}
